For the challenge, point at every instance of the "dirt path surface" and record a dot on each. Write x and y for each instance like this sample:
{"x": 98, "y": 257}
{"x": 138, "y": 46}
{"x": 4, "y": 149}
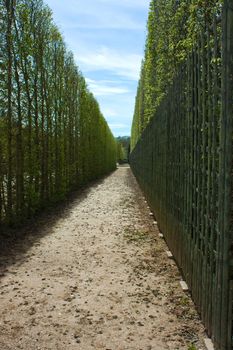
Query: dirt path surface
{"x": 96, "y": 276}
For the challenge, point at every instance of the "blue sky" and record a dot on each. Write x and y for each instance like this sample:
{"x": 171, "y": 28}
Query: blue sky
{"x": 107, "y": 38}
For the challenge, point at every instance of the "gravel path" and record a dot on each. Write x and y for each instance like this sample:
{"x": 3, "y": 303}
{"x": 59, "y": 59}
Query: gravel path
{"x": 95, "y": 275}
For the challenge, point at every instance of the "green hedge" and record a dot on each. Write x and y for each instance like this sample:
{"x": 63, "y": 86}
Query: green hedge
{"x": 53, "y": 137}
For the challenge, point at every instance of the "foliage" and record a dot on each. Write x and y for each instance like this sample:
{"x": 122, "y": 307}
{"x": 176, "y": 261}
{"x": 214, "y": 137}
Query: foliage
{"x": 183, "y": 159}
{"x": 123, "y": 145}
{"x": 53, "y": 137}
{"x": 192, "y": 347}
{"x": 172, "y": 29}
{"x": 121, "y": 154}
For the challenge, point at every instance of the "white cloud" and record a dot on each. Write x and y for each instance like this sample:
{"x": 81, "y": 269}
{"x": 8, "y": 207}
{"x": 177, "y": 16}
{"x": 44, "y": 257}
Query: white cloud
{"x": 101, "y": 88}
{"x": 118, "y": 126}
{"x": 122, "y": 64}
{"x": 108, "y": 21}
{"x": 109, "y": 112}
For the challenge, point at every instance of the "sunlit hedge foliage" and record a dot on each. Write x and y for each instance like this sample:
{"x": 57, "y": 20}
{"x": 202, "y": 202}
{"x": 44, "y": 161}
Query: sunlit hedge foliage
{"x": 172, "y": 29}
{"x": 53, "y": 137}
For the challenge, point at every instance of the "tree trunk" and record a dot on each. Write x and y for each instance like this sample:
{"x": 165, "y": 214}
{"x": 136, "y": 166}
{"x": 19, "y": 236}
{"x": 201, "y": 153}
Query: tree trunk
{"x": 9, "y": 7}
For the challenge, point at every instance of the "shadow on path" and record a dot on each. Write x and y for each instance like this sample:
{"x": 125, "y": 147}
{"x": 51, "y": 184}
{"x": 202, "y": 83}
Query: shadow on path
{"x": 15, "y": 243}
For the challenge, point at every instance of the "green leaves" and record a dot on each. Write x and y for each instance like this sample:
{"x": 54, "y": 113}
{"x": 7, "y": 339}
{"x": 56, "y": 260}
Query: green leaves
{"x": 172, "y": 30}
{"x": 53, "y": 136}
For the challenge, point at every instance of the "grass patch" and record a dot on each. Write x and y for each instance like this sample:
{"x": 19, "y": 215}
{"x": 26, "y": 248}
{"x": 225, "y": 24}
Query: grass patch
{"x": 184, "y": 301}
{"x": 133, "y": 236}
{"x": 192, "y": 347}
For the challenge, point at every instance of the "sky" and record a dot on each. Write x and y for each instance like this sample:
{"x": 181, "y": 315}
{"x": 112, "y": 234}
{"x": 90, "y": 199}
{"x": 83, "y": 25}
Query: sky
{"x": 107, "y": 38}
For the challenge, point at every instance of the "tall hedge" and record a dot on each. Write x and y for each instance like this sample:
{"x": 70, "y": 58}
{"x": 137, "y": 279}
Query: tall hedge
{"x": 53, "y": 137}
{"x": 172, "y": 30}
